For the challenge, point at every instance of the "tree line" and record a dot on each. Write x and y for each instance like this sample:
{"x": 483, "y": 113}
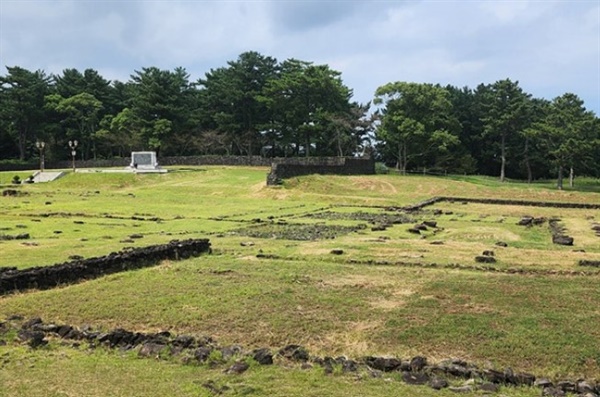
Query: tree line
{"x": 256, "y": 105}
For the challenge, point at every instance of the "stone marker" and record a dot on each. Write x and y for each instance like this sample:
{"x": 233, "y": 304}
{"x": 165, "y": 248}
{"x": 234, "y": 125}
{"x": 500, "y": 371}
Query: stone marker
{"x": 145, "y": 162}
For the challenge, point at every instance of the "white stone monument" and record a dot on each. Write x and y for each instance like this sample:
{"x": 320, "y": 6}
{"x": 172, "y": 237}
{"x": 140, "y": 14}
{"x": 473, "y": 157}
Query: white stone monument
{"x": 145, "y": 162}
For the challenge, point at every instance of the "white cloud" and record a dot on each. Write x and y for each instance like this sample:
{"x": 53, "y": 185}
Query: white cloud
{"x": 551, "y": 47}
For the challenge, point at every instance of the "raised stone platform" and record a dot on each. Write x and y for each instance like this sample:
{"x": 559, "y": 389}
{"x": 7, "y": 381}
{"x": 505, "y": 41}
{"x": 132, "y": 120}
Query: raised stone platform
{"x": 47, "y": 176}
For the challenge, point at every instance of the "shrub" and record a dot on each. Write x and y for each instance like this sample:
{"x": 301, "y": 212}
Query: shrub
{"x": 381, "y": 168}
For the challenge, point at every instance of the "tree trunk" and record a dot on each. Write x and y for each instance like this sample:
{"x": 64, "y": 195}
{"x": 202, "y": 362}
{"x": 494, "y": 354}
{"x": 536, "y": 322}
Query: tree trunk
{"x": 399, "y": 161}
{"x": 404, "y": 159}
{"x": 527, "y": 163}
{"x": 22, "y": 143}
{"x": 571, "y": 177}
{"x": 502, "y": 157}
{"x": 559, "y": 182}
{"x": 307, "y": 148}
{"x": 529, "y": 173}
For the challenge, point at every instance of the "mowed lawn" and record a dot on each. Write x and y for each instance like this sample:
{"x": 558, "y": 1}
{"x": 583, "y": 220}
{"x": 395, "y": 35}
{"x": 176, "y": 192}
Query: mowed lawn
{"x": 267, "y": 284}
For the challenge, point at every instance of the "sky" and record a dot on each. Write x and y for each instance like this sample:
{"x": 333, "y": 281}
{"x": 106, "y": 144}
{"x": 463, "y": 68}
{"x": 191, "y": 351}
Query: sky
{"x": 550, "y": 47}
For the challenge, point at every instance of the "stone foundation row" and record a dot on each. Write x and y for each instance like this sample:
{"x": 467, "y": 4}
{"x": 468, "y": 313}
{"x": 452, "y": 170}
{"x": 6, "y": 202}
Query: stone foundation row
{"x": 465, "y": 200}
{"x": 46, "y": 277}
{"x": 466, "y": 377}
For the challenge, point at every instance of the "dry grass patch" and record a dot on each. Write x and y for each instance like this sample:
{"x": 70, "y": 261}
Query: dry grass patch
{"x": 352, "y": 341}
{"x": 378, "y": 185}
{"x": 466, "y": 233}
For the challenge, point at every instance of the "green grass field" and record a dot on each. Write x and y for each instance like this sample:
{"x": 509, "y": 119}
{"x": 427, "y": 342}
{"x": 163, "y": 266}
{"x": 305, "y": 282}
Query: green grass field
{"x": 272, "y": 279}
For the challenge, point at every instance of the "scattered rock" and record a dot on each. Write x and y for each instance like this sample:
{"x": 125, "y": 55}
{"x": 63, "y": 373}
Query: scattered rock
{"x": 231, "y": 351}
{"x": 438, "y": 383}
{"x": 202, "y": 353}
{"x": 523, "y": 378}
{"x": 488, "y": 253}
{"x": 10, "y": 193}
{"x": 151, "y": 350}
{"x": 32, "y": 323}
{"x": 415, "y": 378}
{"x": 585, "y": 262}
{"x": 214, "y": 389}
{"x": 553, "y": 392}
{"x": 485, "y": 259}
{"x": 237, "y": 368}
{"x": 263, "y": 356}
{"x": 525, "y": 221}
{"x": 337, "y": 252}
{"x": 462, "y": 389}
{"x": 489, "y": 387}
{"x": 584, "y": 387}
{"x": 501, "y": 244}
{"x": 349, "y": 366}
{"x": 34, "y": 339}
{"x": 417, "y": 363}
{"x": 437, "y": 242}
{"x": 20, "y": 236}
{"x": 184, "y": 341}
{"x": 247, "y": 244}
{"x": 383, "y": 364}
{"x": 414, "y": 231}
{"x": 375, "y": 373}
{"x": 543, "y": 383}
{"x": 562, "y": 240}
{"x": 494, "y": 376}
{"x": 294, "y": 352}
{"x": 567, "y": 386}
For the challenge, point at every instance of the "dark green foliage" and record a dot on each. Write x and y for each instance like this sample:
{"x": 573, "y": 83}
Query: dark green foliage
{"x": 417, "y": 124}
{"x": 256, "y": 105}
{"x": 22, "y": 96}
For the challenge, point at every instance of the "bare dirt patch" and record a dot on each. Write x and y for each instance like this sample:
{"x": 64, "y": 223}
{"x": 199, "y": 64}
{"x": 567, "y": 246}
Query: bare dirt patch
{"x": 481, "y": 233}
{"x": 374, "y": 185}
{"x": 300, "y": 232}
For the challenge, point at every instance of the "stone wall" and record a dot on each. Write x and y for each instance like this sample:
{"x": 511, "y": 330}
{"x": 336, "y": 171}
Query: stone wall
{"x": 45, "y": 277}
{"x": 281, "y": 168}
{"x": 292, "y": 167}
{"x": 525, "y": 203}
{"x": 253, "y": 161}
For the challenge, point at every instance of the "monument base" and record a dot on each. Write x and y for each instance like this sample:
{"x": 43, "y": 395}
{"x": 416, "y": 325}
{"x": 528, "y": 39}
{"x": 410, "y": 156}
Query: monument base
{"x": 157, "y": 170}
{"x": 145, "y": 162}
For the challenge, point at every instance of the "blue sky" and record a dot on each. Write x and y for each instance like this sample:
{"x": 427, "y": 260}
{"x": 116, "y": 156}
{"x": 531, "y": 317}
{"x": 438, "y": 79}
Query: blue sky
{"x": 550, "y": 47}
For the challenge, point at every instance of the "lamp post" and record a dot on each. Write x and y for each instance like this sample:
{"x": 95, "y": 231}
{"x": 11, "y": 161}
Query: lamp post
{"x": 73, "y": 146}
{"x": 41, "y": 145}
